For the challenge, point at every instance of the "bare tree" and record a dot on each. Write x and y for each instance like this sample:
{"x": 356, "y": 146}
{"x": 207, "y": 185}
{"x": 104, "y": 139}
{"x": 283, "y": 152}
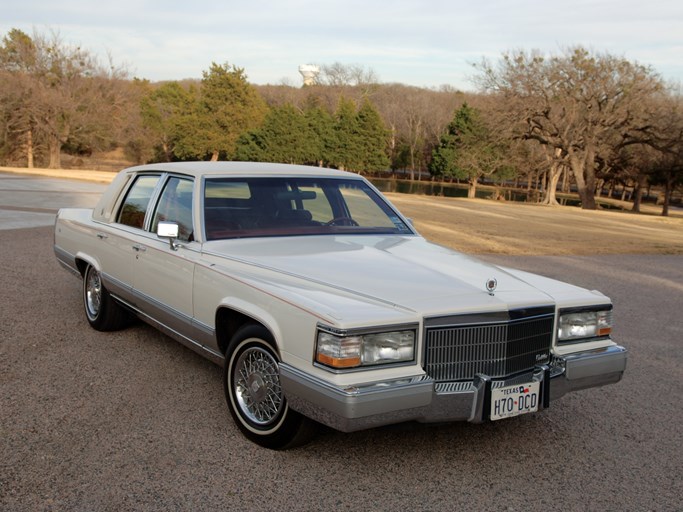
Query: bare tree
{"x": 17, "y": 59}
{"x": 338, "y": 75}
{"x": 580, "y": 103}
{"x": 18, "y": 144}
{"x": 416, "y": 118}
{"x": 556, "y": 165}
{"x": 70, "y": 97}
{"x": 666, "y": 137}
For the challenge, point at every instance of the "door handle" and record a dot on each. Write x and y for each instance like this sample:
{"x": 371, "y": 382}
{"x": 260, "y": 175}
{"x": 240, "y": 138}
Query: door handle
{"x": 139, "y": 248}
{"x": 101, "y": 236}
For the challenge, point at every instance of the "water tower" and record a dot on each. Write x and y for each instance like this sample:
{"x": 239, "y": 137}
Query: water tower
{"x": 310, "y": 73}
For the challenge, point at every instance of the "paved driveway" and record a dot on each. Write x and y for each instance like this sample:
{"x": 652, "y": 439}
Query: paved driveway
{"x": 30, "y": 201}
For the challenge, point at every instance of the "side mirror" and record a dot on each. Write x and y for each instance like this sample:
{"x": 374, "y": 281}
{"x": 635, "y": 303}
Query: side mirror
{"x": 168, "y": 230}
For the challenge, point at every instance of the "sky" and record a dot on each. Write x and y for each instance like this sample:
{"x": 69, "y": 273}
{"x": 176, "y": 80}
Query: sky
{"x": 425, "y": 43}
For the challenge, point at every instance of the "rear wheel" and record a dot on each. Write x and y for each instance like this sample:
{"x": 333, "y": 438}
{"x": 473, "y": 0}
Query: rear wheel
{"x": 103, "y": 312}
{"x": 251, "y": 379}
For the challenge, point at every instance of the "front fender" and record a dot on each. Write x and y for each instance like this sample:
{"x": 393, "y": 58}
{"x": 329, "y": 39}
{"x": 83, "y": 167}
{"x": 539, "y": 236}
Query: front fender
{"x": 256, "y": 312}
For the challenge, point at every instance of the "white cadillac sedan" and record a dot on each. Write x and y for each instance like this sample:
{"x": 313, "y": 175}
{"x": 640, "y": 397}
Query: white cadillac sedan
{"x": 324, "y": 305}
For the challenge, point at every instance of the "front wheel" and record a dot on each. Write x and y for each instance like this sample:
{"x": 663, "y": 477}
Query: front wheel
{"x": 251, "y": 378}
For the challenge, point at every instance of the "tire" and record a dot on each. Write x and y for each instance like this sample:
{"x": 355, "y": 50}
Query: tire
{"x": 103, "y": 312}
{"x": 251, "y": 379}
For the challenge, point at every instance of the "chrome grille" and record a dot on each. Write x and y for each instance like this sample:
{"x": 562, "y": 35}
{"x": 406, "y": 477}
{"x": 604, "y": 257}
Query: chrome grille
{"x": 496, "y": 345}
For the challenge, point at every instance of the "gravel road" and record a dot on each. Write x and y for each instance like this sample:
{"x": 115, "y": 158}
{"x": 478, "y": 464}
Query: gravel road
{"x": 134, "y": 421}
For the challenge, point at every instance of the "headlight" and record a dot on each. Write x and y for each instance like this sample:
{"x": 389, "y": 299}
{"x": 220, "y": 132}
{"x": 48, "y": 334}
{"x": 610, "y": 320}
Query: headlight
{"x": 584, "y": 324}
{"x": 353, "y": 349}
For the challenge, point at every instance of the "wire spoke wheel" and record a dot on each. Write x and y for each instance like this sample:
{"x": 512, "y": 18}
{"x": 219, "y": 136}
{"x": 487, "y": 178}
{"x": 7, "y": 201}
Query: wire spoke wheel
{"x": 101, "y": 310}
{"x": 257, "y": 386}
{"x": 254, "y": 393}
{"x": 93, "y": 294}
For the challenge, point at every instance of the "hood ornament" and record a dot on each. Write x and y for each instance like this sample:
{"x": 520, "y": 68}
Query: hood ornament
{"x": 491, "y": 285}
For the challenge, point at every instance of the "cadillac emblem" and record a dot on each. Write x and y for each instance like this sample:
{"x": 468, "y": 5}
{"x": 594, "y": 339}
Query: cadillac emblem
{"x": 491, "y": 285}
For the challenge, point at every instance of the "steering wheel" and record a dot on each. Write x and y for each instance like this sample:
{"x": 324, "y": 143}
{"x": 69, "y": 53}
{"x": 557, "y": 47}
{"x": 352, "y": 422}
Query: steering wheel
{"x": 342, "y": 221}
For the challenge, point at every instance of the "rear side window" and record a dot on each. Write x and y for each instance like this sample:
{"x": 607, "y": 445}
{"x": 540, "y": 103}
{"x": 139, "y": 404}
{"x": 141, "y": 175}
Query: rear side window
{"x": 137, "y": 199}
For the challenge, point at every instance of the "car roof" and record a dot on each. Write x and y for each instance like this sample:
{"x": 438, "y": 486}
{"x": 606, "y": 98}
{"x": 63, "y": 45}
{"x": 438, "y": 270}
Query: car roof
{"x": 197, "y": 169}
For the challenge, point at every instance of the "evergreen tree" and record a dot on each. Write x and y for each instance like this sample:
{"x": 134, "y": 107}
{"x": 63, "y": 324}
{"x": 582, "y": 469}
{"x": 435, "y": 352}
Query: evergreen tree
{"x": 164, "y": 113}
{"x": 228, "y": 106}
{"x": 287, "y": 135}
{"x": 322, "y": 136}
{"x": 468, "y": 150}
{"x": 345, "y": 152}
{"x": 250, "y": 147}
{"x": 372, "y": 139}
{"x": 283, "y": 137}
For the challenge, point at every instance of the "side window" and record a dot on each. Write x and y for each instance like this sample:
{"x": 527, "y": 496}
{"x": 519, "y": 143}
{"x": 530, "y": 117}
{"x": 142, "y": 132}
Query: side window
{"x": 175, "y": 205}
{"x": 134, "y": 207}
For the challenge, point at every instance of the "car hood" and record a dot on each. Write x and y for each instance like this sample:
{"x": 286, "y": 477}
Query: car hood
{"x": 402, "y": 271}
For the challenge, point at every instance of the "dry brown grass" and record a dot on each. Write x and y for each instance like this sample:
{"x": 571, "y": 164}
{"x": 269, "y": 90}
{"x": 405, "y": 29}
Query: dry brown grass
{"x": 481, "y": 226}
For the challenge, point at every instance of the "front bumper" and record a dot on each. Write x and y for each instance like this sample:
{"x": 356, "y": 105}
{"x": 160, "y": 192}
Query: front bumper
{"x": 422, "y": 399}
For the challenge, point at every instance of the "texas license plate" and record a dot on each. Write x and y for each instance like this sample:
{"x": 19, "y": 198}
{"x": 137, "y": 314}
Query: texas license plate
{"x": 514, "y": 400}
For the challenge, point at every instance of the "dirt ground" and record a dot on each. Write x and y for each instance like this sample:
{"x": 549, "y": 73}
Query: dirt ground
{"x": 481, "y": 226}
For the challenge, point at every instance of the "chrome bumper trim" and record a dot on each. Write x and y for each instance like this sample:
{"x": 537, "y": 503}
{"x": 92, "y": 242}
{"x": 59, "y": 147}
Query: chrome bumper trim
{"x": 419, "y": 398}
{"x": 589, "y": 369}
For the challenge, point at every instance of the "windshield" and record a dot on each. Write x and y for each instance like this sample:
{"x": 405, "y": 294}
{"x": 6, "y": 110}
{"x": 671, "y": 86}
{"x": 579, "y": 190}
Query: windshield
{"x": 288, "y": 206}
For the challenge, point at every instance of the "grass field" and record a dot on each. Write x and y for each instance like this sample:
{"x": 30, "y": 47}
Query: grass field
{"x": 482, "y": 226}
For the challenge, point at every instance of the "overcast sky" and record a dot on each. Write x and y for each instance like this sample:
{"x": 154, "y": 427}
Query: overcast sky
{"x": 418, "y": 42}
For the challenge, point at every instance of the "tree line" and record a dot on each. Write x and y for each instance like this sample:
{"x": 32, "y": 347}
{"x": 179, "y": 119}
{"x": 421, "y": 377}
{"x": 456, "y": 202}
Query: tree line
{"x": 578, "y": 120}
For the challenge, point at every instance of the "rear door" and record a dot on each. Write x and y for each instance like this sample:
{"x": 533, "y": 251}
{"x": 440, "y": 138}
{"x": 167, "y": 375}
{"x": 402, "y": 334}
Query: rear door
{"x": 121, "y": 243}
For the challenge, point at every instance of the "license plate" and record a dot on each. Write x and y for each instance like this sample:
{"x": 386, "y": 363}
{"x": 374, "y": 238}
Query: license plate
{"x": 514, "y": 400}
